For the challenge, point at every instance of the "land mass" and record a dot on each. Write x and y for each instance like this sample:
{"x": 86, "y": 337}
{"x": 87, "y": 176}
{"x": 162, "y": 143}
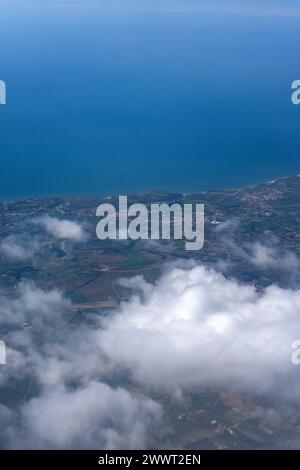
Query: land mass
{"x": 266, "y": 215}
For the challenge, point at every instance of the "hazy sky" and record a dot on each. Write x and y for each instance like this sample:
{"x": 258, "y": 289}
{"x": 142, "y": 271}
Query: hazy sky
{"x": 244, "y": 7}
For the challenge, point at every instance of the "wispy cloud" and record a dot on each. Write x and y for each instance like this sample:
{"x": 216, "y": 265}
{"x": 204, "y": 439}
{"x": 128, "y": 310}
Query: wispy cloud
{"x": 61, "y": 228}
{"x": 18, "y": 248}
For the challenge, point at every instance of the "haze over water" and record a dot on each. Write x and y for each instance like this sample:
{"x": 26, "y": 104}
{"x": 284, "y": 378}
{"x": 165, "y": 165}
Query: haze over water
{"x": 134, "y": 99}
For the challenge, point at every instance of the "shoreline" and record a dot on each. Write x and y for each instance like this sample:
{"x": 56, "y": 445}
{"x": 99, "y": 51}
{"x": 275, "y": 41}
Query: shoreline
{"x": 105, "y": 195}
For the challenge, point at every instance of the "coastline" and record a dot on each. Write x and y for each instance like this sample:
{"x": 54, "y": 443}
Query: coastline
{"x": 115, "y": 193}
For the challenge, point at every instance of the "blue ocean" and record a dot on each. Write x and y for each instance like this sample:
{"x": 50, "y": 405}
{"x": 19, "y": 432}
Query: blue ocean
{"x": 118, "y": 100}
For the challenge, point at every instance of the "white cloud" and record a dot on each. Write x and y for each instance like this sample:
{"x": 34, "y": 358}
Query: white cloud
{"x": 92, "y": 417}
{"x": 32, "y": 319}
{"x": 31, "y": 304}
{"x": 61, "y": 228}
{"x": 197, "y": 328}
{"x": 191, "y": 329}
{"x": 18, "y": 248}
{"x": 265, "y": 255}
{"x": 229, "y": 225}
{"x": 269, "y": 257}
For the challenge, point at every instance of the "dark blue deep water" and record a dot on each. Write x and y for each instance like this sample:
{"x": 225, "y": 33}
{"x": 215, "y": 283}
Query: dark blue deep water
{"x": 106, "y": 101}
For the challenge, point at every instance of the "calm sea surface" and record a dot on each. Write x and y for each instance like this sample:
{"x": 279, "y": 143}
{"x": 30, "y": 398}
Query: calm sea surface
{"x": 113, "y": 102}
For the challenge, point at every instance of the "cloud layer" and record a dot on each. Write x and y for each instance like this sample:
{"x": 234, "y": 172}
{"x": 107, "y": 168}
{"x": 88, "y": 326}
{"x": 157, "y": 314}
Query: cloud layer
{"x": 197, "y": 328}
{"x": 95, "y": 416}
{"x": 192, "y": 329}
